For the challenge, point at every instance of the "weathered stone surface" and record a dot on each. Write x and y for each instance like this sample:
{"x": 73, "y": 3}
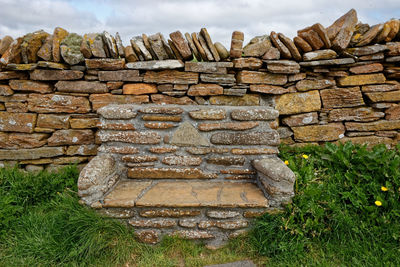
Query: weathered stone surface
{"x": 257, "y": 46}
{"x": 31, "y": 45}
{"x": 355, "y": 114}
{"x": 105, "y": 64}
{"x": 71, "y": 137}
{"x": 13, "y": 53}
{"x": 222, "y": 214}
{"x": 284, "y": 51}
{"x": 227, "y": 160}
{"x": 252, "y": 138}
{"x": 156, "y": 65}
{"x": 169, "y": 173}
{"x": 173, "y": 213}
{"x": 254, "y": 114}
{"x": 101, "y": 100}
{"x": 139, "y": 89}
{"x": 253, "y": 214}
{"x": 182, "y": 160}
{"x": 394, "y": 29}
{"x": 70, "y": 49}
{"x": 381, "y": 125}
{"x": 314, "y": 84}
{"x": 207, "y": 67}
{"x": 188, "y": 223}
{"x": 31, "y": 66}
{"x": 254, "y": 77}
{"x": 222, "y": 51}
{"x": 366, "y": 50}
{"x": 342, "y": 97}
{"x": 283, "y": 66}
{"x": 192, "y": 234}
{"x": 130, "y": 55}
{"x": 383, "y": 34}
{"x": 327, "y": 62}
{"x": 370, "y": 141}
{"x": 51, "y": 103}
{"x": 5, "y": 43}
{"x": 380, "y": 88}
{"x": 198, "y": 46}
{"x": 203, "y": 194}
{"x": 316, "y": 133}
{"x": 31, "y": 86}
{"x": 53, "y": 121}
{"x": 370, "y": 35}
{"x": 148, "y": 236}
{"x": 84, "y": 150}
{"x": 52, "y": 65}
{"x": 194, "y": 49}
{"x": 81, "y": 87}
{"x": 125, "y": 194}
{"x": 58, "y": 35}
{"x": 246, "y": 100}
{"x": 209, "y": 43}
{"x": 208, "y": 114}
{"x": 301, "y": 119}
{"x": 302, "y": 45}
{"x": 139, "y": 159}
{"x": 165, "y": 100}
{"x": 22, "y": 140}
{"x": 311, "y": 37}
{"x": 96, "y": 44}
{"x": 187, "y": 135}
{"x": 107, "y": 125}
{"x": 273, "y": 53}
{"x": 120, "y": 75}
{"x": 110, "y": 43}
{"x": 182, "y": 45}
{"x": 156, "y": 223}
{"x": 334, "y": 29}
{"x": 298, "y": 102}
{"x": 206, "y": 150}
{"x": 129, "y": 137}
{"x": 30, "y": 154}
{"x": 83, "y": 123}
{"x": 368, "y": 68}
{"x": 343, "y": 37}
{"x": 268, "y": 89}
{"x": 319, "y": 55}
{"x": 85, "y": 47}
{"x": 7, "y": 75}
{"x": 233, "y": 126}
{"x": 394, "y": 48}
{"x": 254, "y": 151}
{"x": 162, "y": 150}
{"x": 393, "y": 113}
{"x": 247, "y": 63}
{"x": 140, "y": 48}
{"x": 156, "y": 117}
{"x": 291, "y": 46}
{"x": 55, "y": 75}
{"x": 17, "y": 122}
{"x": 118, "y": 112}
{"x": 392, "y": 96}
{"x": 204, "y": 89}
{"x": 171, "y": 76}
{"x": 6, "y": 90}
{"x": 236, "y": 44}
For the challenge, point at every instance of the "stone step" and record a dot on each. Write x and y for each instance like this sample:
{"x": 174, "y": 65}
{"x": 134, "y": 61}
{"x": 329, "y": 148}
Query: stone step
{"x": 183, "y": 194}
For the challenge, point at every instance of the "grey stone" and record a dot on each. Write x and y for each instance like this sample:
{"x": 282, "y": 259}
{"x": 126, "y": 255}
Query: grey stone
{"x": 283, "y": 66}
{"x": 284, "y": 132}
{"x": 218, "y": 78}
{"x": 319, "y": 55}
{"x": 366, "y": 50}
{"x": 245, "y": 263}
{"x": 251, "y": 114}
{"x": 120, "y": 47}
{"x": 156, "y": 65}
{"x": 187, "y": 135}
{"x": 111, "y": 44}
{"x": 96, "y": 44}
{"x": 28, "y": 154}
{"x": 71, "y": 49}
{"x": 81, "y": 87}
{"x": 257, "y": 46}
{"x": 138, "y": 44}
{"x": 222, "y": 51}
{"x": 327, "y": 62}
{"x": 158, "y": 46}
{"x": 270, "y": 137}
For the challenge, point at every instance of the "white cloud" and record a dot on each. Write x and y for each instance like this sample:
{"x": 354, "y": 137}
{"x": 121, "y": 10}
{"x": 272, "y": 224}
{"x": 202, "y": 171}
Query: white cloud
{"x": 220, "y": 17}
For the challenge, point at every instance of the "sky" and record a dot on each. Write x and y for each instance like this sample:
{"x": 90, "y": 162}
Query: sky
{"x": 220, "y": 17}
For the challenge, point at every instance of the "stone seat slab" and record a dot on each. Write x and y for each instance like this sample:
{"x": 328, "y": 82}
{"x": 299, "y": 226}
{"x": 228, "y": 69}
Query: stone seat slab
{"x": 180, "y": 194}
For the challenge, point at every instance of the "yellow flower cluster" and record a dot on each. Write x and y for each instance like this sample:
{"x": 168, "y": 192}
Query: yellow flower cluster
{"x": 305, "y": 156}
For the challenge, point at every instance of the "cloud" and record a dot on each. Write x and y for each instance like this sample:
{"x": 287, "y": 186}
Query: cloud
{"x": 220, "y": 17}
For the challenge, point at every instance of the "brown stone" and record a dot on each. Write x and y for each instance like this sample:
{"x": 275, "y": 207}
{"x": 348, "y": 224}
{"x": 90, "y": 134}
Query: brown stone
{"x": 227, "y": 160}
{"x": 354, "y": 80}
{"x": 84, "y": 150}
{"x": 312, "y": 38}
{"x": 147, "y": 236}
{"x": 125, "y": 194}
{"x": 139, "y": 89}
{"x": 5, "y": 90}
{"x": 159, "y": 125}
{"x": 250, "y": 138}
{"x": 211, "y": 47}
{"x": 31, "y": 86}
{"x": 192, "y": 234}
{"x": 342, "y": 97}
{"x": 175, "y": 118}
{"x": 254, "y": 114}
{"x": 383, "y": 33}
{"x": 366, "y": 50}
{"x": 370, "y": 141}
{"x": 53, "y": 65}
{"x": 169, "y": 173}
{"x": 302, "y": 44}
{"x": 327, "y": 62}
{"x": 16, "y": 107}
{"x": 58, "y": 35}
{"x": 370, "y": 35}
{"x": 175, "y": 51}
{"x": 171, "y": 76}
{"x": 81, "y": 87}
{"x": 218, "y": 78}
{"x": 314, "y": 84}
{"x": 71, "y": 137}
{"x": 355, "y": 114}
{"x": 380, "y": 88}
{"x": 254, "y": 77}
{"x": 166, "y": 100}
{"x": 368, "y": 68}
{"x": 268, "y": 89}
{"x": 83, "y": 123}
{"x": 283, "y": 66}
{"x": 393, "y": 113}
{"x": 394, "y": 29}
{"x": 129, "y": 137}
{"x": 17, "y": 122}
{"x": 204, "y": 89}
{"x": 140, "y": 49}
{"x": 120, "y": 75}
{"x": 273, "y": 53}
{"x": 394, "y": 48}
{"x": 381, "y": 125}
{"x": 161, "y": 110}
{"x": 85, "y": 47}
{"x": 284, "y": 51}
{"x": 5, "y": 43}
{"x": 139, "y": 159}
{"x": 236, "y": 44}
{"x": 114, "y": 85}
{"x": 53, "y": 121}
{"x": 109, "y": 125}
{"x": 30, "y": 154}
{"x": 208, "y": 114}
{"x": 182, "y": 160}
{"x": 334, "y": 29}
{"x": 246, "y": 100}
{"x": 291, "y": 46}
{"x": 13, "y": 53}
{"x": 298, "y": 102}
{"x": 247, "y": 63}
{"x": 254, "y": 151}
{"x": 130, "y": 55}
{"x": 222, "y": 51}
{"x": 146, "y": 42}
{"x": 105, "y": 64}
{"x": 55, "y": 75}
{"x": 101, "y": 100}
{"x": 257, "y": 46}
{"x": 22, "y": 140}
{"x": 301, "y": 119}
{"x": 162, "y": 150}
{"x": 322, "y": 33}
{"x": 234, "y": 126}
{"x": 193, "y": 47}
{"x": 31, "y": 45}
{"x": 319, "y": 55}
{"x": 188, "y": 223}
{"x": 208, "y": 67}
{"x": 201, "y": 50}
{"x": 172, "y": 213}
{"x": 203, "y": 194}
{"x": 343, "y": 37}
{"x": 119, "y": 150}
{"x": 51, "y": 103}
{"x": 316, "y": 133}
{"x": 182, "y": 45}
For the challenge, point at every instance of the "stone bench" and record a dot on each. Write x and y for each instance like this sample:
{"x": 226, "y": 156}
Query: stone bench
{"x": 196, "y": 172}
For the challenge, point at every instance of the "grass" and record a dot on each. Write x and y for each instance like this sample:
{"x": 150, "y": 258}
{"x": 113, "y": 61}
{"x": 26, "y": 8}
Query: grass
{"x": 333, "y": 220}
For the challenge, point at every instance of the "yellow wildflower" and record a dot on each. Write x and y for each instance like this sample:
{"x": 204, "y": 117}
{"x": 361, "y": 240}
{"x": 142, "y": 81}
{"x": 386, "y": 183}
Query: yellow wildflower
{"x": 286, "y": 162}
{"x": 305, "y": 156}
{"x": 384, "y": 189}
{"x": 378, "y": 203}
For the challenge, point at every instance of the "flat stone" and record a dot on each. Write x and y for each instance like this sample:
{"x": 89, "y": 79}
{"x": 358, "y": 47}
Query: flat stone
{"x": 366, "y": 50}
{"x": 120, "y": 75}
{"x": 84, "y": 123}
{"x": 364, "y": 79}
{"x": 295, "y": 103}
{"x": 71, "y": 137}
{"x": 5, "y": 90}
{"x": 233, "y": 126}
{"x": 17, "y": 122}
{"x": 254, "y": 151}
{"x": 342, "y": 97}
{"x": 81, "y": 87}
{"x": 393, "y": 113}
{"x": 117, "y": 112}
{"x": 21, "y": 67}
{"x": 311, "y": 37}
{"x": 53, "y": 121}
{"x": 284, "y": 51}
{"x": 70, "y": 49}
{"x": 380, "y": 88}
{"x": 52, "y": 65}
{"x": 254, "y": 77}
{"x": 257, "y": 46}
{"x": 227, "y": 160}
{"x": 327, "y": 62}
{"x": 334, "y": 29}
{"x": 381, "y": 125}
{"x": 172, "y": 213}
{"x": 188, "y": 223}
{"x": 273, "y": 53}
{"x": 140, "y": 48}
{"x": 205, "y": 89}
{"x": 301, "y": 119}
{"x": 161, "y": 110}
{"x": 343, "y": 37}
{"x": 157, "y": 46}
{"x": 207, "y": 67}
{"x": 51, "y": 103}
{"x": 139, "y": 159}
{"x": 169, "y": 173}
{"x": 23, "y": 140}
{"x": 121, "y": 126}
{"x": 319, "y": 55}
{"x": 139, "y": 89}
{"x": 246, "y": 100}
{"x": 314, "y": 84}
{"x": 222, "y": 51}
{"x": 156, "y": 117}
{"x": 156, "y": 65}
{"x": 208, "y": 114}
{"x": 5, "y": 43}
{"x": 203, "y": 194}
{"x": 182, "y": 45}
{"x": 393, "y": 59}
{"x": 199, "y": 47}
{"x": 96, "y": 44}
{"x": 101, "y": 100}
{"x": 166, "y": 100}
{"x": 235, "y": 91}
{"x": 370, "y": 35}
{"x": 130, "y": 55}
{"x": 394, "y": 48}
{"x": 370, "y": 141}
{"x": 218, "y": 78}
{"x": 182, "y": 160}
{"x": 31, "y": 86}
{"x": 111, "y": 45}
{"x": 162, "y": 150}
{"x": 192, "y": 234}
{"x": 355, "y": 114}
{"x": 30, "y": 154}
{"x": 368, "y": 68}
{"x": 226, "y": 224}
{"x": 236, "y": 49}
{"x": 125, "y": 194}
{"x": 291, "y": 46}
{"x": 394, "y": 29}
{"x": 247, "y": 63}
{"x": 316, "y": 133}
{"x": 13, "y": 53}
{"x": 58, "y": 35}
{"x": 171, "y": 76}
{"x": 251, "y": 138}
{"x": 55, "y": 75}
{"x": 84, "y": 150}
{"x": 207, "y": 38}
{"x": 221, "y": 214}
{"x": 7, "y": 75}
{"x": 268, "y": 89}
{"x": 283, "y": 66}
{"x": 105, "y": 64}
{"x": 187, "y": 135}
{"x": 156, "y": 223}
{"x": 144, "y": 137}
{"x": 254, "y": 114}
{"x": 302, "y": 45}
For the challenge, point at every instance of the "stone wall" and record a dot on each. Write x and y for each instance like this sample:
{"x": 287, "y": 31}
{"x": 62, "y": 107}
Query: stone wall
{"x": 338, "y": 83}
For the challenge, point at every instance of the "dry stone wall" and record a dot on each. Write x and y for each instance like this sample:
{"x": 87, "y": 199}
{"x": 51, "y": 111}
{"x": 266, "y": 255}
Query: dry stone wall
{"x": 329, "y": 84}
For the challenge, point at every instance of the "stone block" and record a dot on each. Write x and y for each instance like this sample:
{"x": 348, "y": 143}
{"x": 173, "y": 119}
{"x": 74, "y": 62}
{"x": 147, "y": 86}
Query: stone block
{"x": 314, "y": 84}
{"x": 298, "y": 102}
{"x": 342, "y": 97}
{"x": 301, "y": 119}
{"x": 53, "y": 121}
{"x": 355, "y": 114}
{"x": 317, "y": 133}
{"x": 205, "y": 89}
{"x": 252, "y": 114}
{"x": 252, "y": 138}
{"x": 31, "y": 154}
{"x": 71, "y": 137}
{"x": 171, "y": 76}
{"x": 254, "y": 77}
{"x": 169, "y": 173}
{"x": 167, "y": 64}
{"x": 381, "y": 125}
{"x": 182, "y": 160}
{"x": 52, "y": 103}
{"x": 105, "y": 64}
{"x": 17, "y": 122}
{"x": 101, "y": 100}
{"x": 268, "y": 89}
{"x": 392, "y": 96}
{"x": 233, "y": 126}
{"x": 145, "y": 137}
{"x": 55, "y": 75}
{"x": 208, "y": 114}
{"x": 139, "y": 89}
{"x": 364, "y": 79}
{"x": 81, "y": 87}
{"x": 246, "y": 100}
{"x": 31, "y": 86}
